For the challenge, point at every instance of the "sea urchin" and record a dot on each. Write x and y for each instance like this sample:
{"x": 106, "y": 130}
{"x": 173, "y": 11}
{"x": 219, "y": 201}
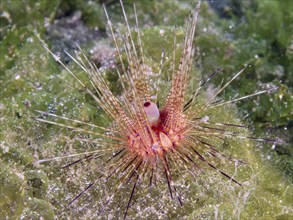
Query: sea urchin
{"x": 152, "y": 132}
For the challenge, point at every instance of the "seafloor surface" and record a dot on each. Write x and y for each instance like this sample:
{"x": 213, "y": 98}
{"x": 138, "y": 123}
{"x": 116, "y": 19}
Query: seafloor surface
{"x": 257, "y": 34}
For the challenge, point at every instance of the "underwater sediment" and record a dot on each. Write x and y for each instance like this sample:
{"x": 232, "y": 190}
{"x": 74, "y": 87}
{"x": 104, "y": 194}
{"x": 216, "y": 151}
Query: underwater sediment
{"x": 32, "y": 80}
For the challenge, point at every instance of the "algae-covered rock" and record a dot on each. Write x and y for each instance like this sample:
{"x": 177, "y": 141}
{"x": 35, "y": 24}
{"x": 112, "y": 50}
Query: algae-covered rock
{"x": 31, "y": 80}
{"x": 38, "y": 209}
{"x": 37, "y": 182}
{"x": 12, "y": 192}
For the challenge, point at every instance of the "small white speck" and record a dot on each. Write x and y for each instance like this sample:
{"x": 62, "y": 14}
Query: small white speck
{"x": 19, "y": 175}
{"x": 162, "y": 31}
{"x": 274, "y": 146}
{"x": 29, "y": 40}
{"x": 256, "y": 56}
{"x": 205, "y": 29}
{"x": 17, "y": 77}
{"x": 5, "y": 148}
{"x": 205, "y": 119}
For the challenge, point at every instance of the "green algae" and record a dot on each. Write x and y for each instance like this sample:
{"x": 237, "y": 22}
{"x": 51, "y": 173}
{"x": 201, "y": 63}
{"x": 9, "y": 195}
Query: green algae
{"x": 31, "y": 80}
{"x": 38, "y": 209}
{"x": 12, "y": 192}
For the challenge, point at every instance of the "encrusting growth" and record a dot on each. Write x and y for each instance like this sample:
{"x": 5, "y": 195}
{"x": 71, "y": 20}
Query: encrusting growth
{"x": 144, "y": 138}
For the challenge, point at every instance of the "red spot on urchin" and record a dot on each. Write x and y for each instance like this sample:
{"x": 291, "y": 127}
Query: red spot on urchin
{"x": 146, "y": 104}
